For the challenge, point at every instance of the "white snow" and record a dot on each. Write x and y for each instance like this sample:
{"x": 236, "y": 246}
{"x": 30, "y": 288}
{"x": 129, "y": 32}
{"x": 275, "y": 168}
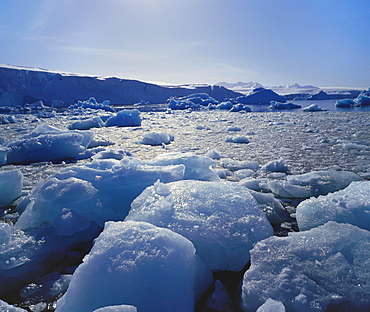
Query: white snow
{"x": 351, "y": 205}
{"x": 313, "y": 108}
{"x": 139, "y": 264}
{"x": 156, "y": 138}
{"x": 117, "y": 308}
{"x": 222, "y": 219}
{"x": 5, "y": 307}
{"x": 313, "y": 270}
{"x": 271, "y": 305}
{"x": 11, "y": 183}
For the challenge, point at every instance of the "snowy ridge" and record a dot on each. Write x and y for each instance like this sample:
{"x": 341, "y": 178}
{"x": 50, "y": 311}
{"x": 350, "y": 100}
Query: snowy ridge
{"x": 20, "y": 85}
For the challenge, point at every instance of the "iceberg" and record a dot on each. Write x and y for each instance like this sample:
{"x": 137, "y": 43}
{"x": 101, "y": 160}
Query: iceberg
{"x": 277, "y": 105}
{"x": 345, "y": 103}
{"x": 86, "y": 124}
{"x": 92, "y": 103}
{"x": 125, "y": 118}
{"x": 313, "y": 183}
{"x": 323, "y": 269}
{"x": 260, "y": 96}
{"x": 156, "y": 138}
{"x": 313, "y": 108}
{"x": 139, "y": 264}
{"x": 363, "y": 98}
{"x": 350, "y": 205}
{"x": 322, "y": 95}
{"x": 221, "y": 219}
{"x": 47, "y": 143}
{"x": 11, "y": 183}
{"x": 275, "y": 166}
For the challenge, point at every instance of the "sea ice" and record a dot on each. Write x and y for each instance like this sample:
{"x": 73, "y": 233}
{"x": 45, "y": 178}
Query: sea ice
{"x": 313, "y": 183}
{"x": 237, "y": 139}
{"x": 313, "y": 108}
{"x": 351, "y": 205}
{"x": 137, "y": 263}
{"x": 222, "y": 219}
{"x": 345, "y": 103}
{"x": 240, "y": 108}
{"x": 11, "y": 183}
{"x": 277, "y": 105}
{"x": 271, "y": 305}
{"x": 156, "y": 138}
{"x": 117, "y": 308}
{"x": 125, "y": 118}
{"x": 86, "y": 124}
{"x": 275, "y": 166}
{"x": 197, "y": 167}
{"x": 46, "y": 143}
{"x": 92, "y": 103}
{"x": 5, "y": 307}
{"x": 235, "y": 165}
{"x": 363, "y": 98}
{"x": 323, "y": 269}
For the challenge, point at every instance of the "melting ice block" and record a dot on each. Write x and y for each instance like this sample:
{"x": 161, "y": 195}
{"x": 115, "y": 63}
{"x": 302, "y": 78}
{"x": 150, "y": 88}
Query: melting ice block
{"x": 125, "y": 118}
{"x": 312, "y": 183}
{"x": 222, "y": 219}
{"x": 351, "y": 205}
{"x": 322, "y": 269}
{"x": 138, "y": 264}
{"x": 117, "y": 308}
{"x": 197, "y": 167}
{"x": 47, "y": 143}
{"x": 11, "y": 183}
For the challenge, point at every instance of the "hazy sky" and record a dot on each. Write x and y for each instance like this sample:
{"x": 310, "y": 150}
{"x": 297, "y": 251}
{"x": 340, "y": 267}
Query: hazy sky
{"x": 321, "y": 42}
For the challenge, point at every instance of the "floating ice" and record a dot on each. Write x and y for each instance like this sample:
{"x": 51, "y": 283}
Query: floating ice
{"x": 5, "y": 307}
{"x": 275, "y": 166}
{"x": 225, "y": 105}
{"x": 11, "y": 183}
{"x": 222, "y": 219}
{"x": 271, "y": 305}
{"x": 156, "y": 138}
{"x": 92, "y": 103}
{"x": 237, "y": 139}
{"x": 322, "y": 95}
{"x": 261, "y": 96}
{"x": 196, "y": 167}
{"x": 47, "y": 143}
{"x": 175, "y": 104}
{"x": 258, "y": 185}
{"x": 125, "y": 118}
{"x": 117, "y": 308}
{"x": 323, "y": 269}
{"x": 98, "y": 191}
{"x": 138, "y": 264}
{"x": 313, "y": 108}
{"x": 85, "y": 124}
{"x": 351, "y": 205}
{"x": 234, "y": 165}
{"x": 240, "y": 108}
{"x": 214, "y": 154}
{"x": 313, "y": 183}
{"x": 363, "y": 98}
{"x": 345, "y": 103}
{"x": 277, "y": 105}
{"x": 220, "y": 299}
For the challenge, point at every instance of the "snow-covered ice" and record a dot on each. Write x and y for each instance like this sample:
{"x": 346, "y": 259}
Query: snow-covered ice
{"x": 351, "y": 205}
{"x": 11, "y": 184}
{"x": 125, "y": 118}
{"x": 139, "y": 264}
{"x": 117, "y": 308}
{"x": 325, "y": 268}
{"x": 222, "y": 219}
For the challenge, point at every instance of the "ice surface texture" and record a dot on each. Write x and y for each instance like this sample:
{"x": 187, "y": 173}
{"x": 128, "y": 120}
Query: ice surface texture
{"x": 11, "y": 183}
{"x": 117, "y": 308}
{"x": 261, "y": 96}
{"x": 139, "y": 264}
{"x": 351, "y": 205}
{"x": 326, "y": 267}
{"x": 125, "y": 118}
{"x": 222, "y": 219}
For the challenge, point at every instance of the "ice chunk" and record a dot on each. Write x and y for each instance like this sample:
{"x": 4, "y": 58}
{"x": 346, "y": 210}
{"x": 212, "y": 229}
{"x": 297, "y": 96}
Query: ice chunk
{"x": 92, "y": 103}
{"x": 351, "y": 205}
{"x": 117, "y": 308}
{"x": 5, "y": 307}
{"x": 312, "y": 183}
{"x": 323, "y": 269}
{"x": 240, "y": 108}
{"x": 225, "y": 105}
{"x": 235, "y": 165}
{"x": 258, "y": 185}
{"x": 222, "y": 219}
{"x": 196, "y": 167}
{"x": 98, "y": 191}
{"x": 237, "y": 139}
{"x": 272, "y": 208}
{"x": 345, "y": 103}
{"x": 277, "y": 105}
{"x": 313, "y": 108}
{"x": 275, "y": 166}
{"x": 156, "y": 138}
{"x": 363, "y": 98}
{"x": 85, "y": 124}
{"x": 47, "y": 143}
{"x": 3, "y": 155}
{"x": 11, "y": 183}
{"x": 139, "y": 264}
{"x": 5, "y": 232}
{"x": 125, "y": 118}
{"x": 214, "y": 154}
{"x": 220, "y": 299}
{"x": 271, "y": 305}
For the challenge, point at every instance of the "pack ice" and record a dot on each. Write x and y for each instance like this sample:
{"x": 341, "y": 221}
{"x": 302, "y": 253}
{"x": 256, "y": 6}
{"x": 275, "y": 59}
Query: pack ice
{"x": 139, "y": 264}
{"x": 351, "y": 205}
{"x": 222, "y": 219}
{"x": 323, "y": 269}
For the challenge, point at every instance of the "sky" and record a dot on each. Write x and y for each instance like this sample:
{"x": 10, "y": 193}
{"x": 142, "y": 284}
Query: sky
{"x": 325, "y": 43}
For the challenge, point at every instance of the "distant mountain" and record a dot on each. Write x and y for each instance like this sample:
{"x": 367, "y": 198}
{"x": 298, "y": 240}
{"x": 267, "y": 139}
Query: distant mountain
{"x": 240, "y": 85}
{"x": 294, "y": 86}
